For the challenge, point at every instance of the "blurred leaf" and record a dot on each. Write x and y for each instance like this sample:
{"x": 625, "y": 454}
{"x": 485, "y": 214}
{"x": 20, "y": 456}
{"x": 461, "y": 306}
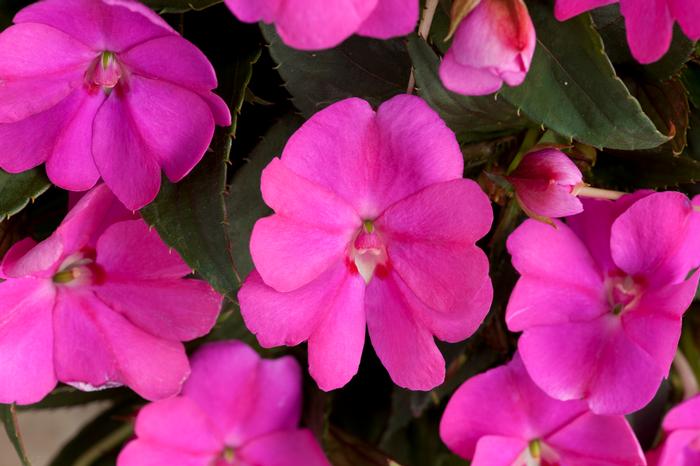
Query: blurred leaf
{"x": 370, "y": 69}
{"x": 648, "y": 169}
{"x": 9, "y": 419}
{"x": 244, "y": 204}
{"x": 471, "y": 118}
{"x": 572, "y": 87}
{"x": 65, "y": 396}
{"x": 190, "y": 216}
{"x": 691, "y": 79}
{"x": 17, "y": 190}
{"x": 180, "y": 6}
{"x": 345, "y": 450}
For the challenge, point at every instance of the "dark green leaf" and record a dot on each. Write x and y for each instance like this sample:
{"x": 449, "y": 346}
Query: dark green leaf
{"x": 572, "y": 87}
{"x": 631, "y": 170}
{"x": 346, "y": 450}
{"x": 9, "y": 419}
{"x": 180, "y": 6}
{"x": 240, "y": 77}
{"x": 65, "y": 396}
{"x": 190, "y": 216}
{"x": 471, "y": 118}
{"x": 17, "y": 190}
{"x": 691, "y": 79}
{"x": 371, "y": 69}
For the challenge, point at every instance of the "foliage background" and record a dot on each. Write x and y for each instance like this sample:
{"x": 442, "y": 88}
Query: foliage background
{"x": 629, "y": 126}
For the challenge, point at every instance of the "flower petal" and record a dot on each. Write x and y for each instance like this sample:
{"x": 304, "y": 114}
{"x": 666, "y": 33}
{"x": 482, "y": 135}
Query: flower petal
{"x": 141, "y": 453}
{"x": 649, "y": 27}
{"x": 252, "y": 12}
{"x": 467, "y": 80}
{"x": 285, "y": 448}
{"x": 390, "y": 18}
{"x": 566, "y": 9}
{"x": 687, "y": 13}
{"x": 492, "y": 450}
{"x": 27, "y": 258}
{"x": 683, "y": 416}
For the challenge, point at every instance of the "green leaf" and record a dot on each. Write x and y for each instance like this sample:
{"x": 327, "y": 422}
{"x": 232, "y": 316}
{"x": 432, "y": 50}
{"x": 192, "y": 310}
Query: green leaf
{"x": 241, "y": 73}
{"x": 180, "y": 6}
{"x": 17, "y": 190}
{"x": 66, "y": 396}
{"x": 9, "y": 419}
{"x": 345, "y": 450}
{"x": 190, "y": 216}
{"x": 572, "y": 87}
{"x": 244, "y": 203}
{"x": 471, "y": 118}
{"x": 647, "y": 169}
{"x": 370, "y": 69}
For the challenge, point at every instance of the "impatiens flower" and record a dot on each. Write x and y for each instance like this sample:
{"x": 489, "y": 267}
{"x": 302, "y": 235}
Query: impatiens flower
{"x": 104, "y": 89}
{"x": 102, "y": 302}
{"x": 374, "y": 225}
{"x": 235, "y": 410}
{"x": 544, "y": 184}
{"x": 682, "y": 446}
{"x": 600, "y": 298}
{"x": 501, "y": 418}
{"x": 314, "y": 24}
{"x": 649, "y": 24}
{"x": 493, "y": 44}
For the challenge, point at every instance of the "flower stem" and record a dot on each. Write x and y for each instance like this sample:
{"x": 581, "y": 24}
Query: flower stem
{"x": 423, "y": 31}
{"x": 685, "y": 372}
{"x": 597, "y": 193}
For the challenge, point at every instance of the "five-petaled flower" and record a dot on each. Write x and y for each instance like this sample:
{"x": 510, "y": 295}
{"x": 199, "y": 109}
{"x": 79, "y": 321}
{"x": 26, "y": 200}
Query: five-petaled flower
{"x": 374, "y": 225}
{"x": 236, "y": 409}
{"x": 104, "y": 88}
{"x": 314, "y": 25}
{"x": 100, "y": 303}
{"x": 501, "y": 418}
{"x": 601, "y": 298}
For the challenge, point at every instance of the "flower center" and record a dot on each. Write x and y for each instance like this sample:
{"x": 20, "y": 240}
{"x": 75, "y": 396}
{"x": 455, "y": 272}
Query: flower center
{"x": 104, "y": 73}
{"x": 367, "y": 252}
{"x": 79, "y": 269}
{"x": 538, "y": 453}
{"x": 623, "y": 292}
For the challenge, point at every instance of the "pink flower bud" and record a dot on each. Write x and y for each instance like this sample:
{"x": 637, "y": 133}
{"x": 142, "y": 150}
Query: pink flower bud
{"x": 544, "y": 184}
{"x": 495, "y": 43}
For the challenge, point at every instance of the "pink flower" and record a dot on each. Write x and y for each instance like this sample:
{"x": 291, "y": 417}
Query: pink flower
{"x": 104, "y": 88}
{"x": 374, "y": 225}
{"x": 100, "y": 303}
{"x": 600, "y": 298}
{"x": 544, "y": 183}
{"x": 682, "y": 445}
{"x": 501, "y": 418}
{"x": 649, "y": 23}
{"x": 315, "y": 24}
{"x": 493, "y": 44}
{"x": 236, "y": 409}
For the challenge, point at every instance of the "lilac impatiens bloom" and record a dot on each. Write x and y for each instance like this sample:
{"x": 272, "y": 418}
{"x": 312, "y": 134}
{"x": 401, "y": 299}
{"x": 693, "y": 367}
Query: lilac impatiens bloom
{"x": 501, "y": 418}
{"x": 649, "y": 23}
{"x": 315, "y": 24}
{"x": 601, "y": 298}
{"x": 682, "y": 444}
{"x": 235, "y": 410}
{"x": 104, "y": 89}
{"x": 373, "y": 226}
{"x": 102, "y": 302}
{"x": 493, "y": 44}
{"x": 545, "y": 183}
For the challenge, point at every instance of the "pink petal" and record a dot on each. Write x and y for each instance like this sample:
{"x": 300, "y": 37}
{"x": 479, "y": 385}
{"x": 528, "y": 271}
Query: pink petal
{"x": 131, "y": 250}
{"x": 119, "y": 148}
{"x": 179, "y": 310}
{"x": 141, "y": 453}
{"x": 364, "y": 157}
{"x": 26, "y": 340}
{"x": 594, "y": 360}
{"x": 252, "y": 12}
{"x": 676, "y": 449}
{"x": 178, "y": 423}
{"x": 27, "y": 258}
{"x": 335, "y": 346}
{"x": 492, "y": 450}
{"x": 467, "y": 80}
{"x": 687, "y": 13}
{"x": 430, "y": 242}
{"x": 391, "y": 18}
{"x": 113, "y": 25}
{"x": 649, "y": 28}
{"x": 243, "y": 395}
{"x": 332, "y": 21}
{"x": 285, "y": 448}
{"x": 656, "y": 238}
{"x": 566, "y": 9}
{"x": 684, "y": 416}
{"x": 404, "y": 346}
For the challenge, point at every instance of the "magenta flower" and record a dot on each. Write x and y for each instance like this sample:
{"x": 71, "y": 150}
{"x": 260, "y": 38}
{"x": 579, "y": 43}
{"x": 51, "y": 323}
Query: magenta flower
{"x": 501, "y": 418}
{"x": 235, "y": 410}
{"x": 374, "y": 225}
{"x": 544, "y": 184}
{"x": 104, "y": 88}
{"x": 493, "y": 44}
{"x": 314, "y": 24}
{"x": 600, "y": 298}
{"x": 100, "y": 303}
{"x": 682, "y": 444}
{"x": 649, "y": 23}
